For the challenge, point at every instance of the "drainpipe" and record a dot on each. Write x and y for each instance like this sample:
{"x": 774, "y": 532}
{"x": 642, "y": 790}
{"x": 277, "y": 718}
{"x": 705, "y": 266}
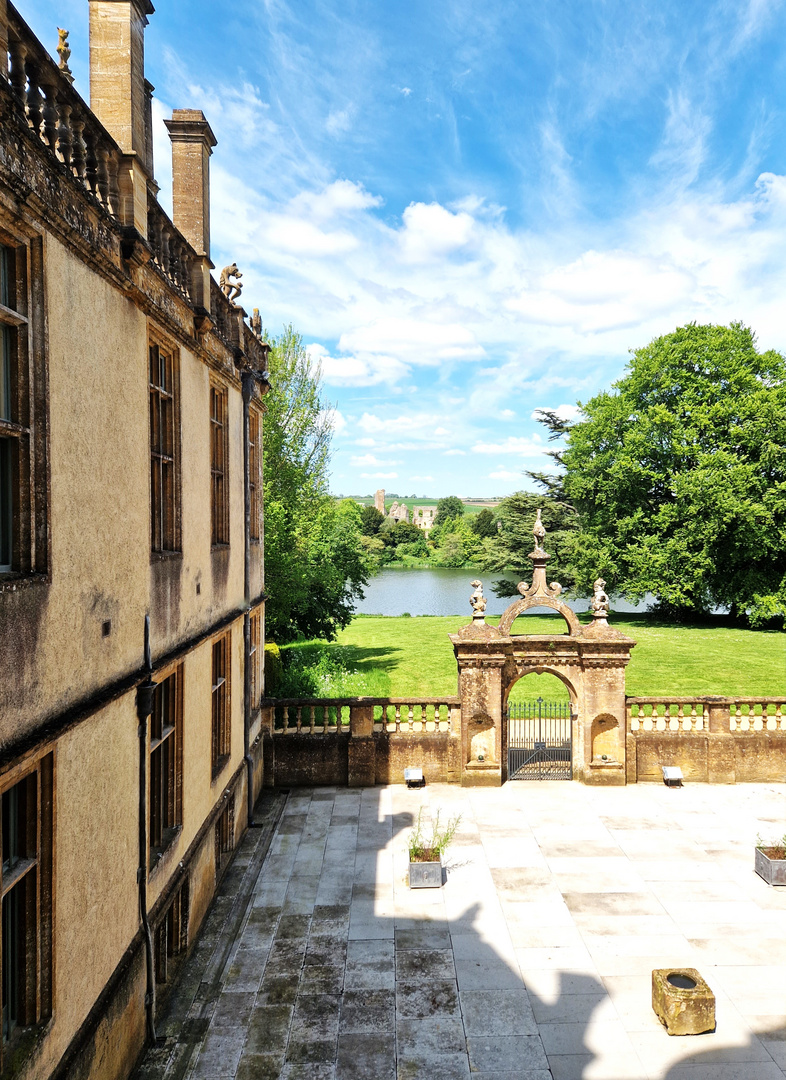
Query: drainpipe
{"x": 144, "y": 708}
{"x": 247, "y": 383}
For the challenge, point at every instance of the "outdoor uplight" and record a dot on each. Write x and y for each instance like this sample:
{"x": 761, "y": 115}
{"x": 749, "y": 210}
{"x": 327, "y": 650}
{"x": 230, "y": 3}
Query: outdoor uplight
{"x": 672, "y": 775}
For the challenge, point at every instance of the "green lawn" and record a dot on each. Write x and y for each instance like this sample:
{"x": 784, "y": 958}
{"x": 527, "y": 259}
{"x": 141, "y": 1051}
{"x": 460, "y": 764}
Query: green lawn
{"x": 412, "y": 656}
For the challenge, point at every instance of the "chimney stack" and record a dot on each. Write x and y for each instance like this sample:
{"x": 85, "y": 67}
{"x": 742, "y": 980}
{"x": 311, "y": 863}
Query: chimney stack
{"x": 119, "y": 95}
{"x": 192, "y": 145}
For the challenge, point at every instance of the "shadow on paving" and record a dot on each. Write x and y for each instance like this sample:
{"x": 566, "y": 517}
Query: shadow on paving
{"x": 316, "y": 963}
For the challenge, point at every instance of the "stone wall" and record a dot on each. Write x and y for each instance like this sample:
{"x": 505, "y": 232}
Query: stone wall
{"x": 360, "y": 742}
{"x": 712, "y": 739}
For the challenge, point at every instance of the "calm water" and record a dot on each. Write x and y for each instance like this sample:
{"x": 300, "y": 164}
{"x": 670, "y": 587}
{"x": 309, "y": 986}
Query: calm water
{"x": 440, "y": 591}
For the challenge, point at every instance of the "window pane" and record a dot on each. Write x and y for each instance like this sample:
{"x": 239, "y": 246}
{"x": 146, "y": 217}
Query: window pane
{"x": 5, "y": 374}
{"x": 11, "y": 967}
{"x": 5, "y": 290}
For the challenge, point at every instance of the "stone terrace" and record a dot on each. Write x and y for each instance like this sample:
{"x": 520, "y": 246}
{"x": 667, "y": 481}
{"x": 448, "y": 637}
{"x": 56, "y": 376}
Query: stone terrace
{"x": 533, "y": 960}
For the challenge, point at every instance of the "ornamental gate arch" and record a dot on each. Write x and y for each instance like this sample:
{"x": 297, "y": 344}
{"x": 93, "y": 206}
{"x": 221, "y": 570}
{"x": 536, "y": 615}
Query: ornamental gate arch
{"x": 589, "y": 660}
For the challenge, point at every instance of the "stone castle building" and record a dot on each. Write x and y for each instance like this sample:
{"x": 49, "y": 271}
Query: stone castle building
{"x": 131, "y": 407}
{"x": 422, "y": 516}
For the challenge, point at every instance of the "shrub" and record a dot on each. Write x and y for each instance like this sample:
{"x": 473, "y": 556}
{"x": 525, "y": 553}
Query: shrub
{"x": 274, "y": 669}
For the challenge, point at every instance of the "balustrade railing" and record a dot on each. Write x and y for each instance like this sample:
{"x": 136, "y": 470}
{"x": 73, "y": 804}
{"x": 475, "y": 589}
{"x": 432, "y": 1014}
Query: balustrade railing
{"x": 667, "y": 714}
{"x": 692, "y": 713}
{"x": 172, "y": 254}
{"x": 59, "y": 117}
{"x": 317, "y": 716}
{"x": 758, "y": 714}
{"x": 224, "y": 315}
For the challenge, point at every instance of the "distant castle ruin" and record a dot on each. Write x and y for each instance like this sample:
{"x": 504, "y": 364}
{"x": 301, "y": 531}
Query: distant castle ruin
{"x": 422, "y": 516}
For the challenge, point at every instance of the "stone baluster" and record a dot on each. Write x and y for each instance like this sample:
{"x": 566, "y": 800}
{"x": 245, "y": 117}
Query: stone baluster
{"x": 398, "y": 717}
{"x": 18, "y": 77}
{"x": 34, "y": 99}
{"x": 311, "y": 719}
{"x": 77, "y": 145}
{"x": 49, "y": 112}
{"x": 65, "y": 137}
{"x": 165, "y": 249}
{"x": 91, "y": 161}
{"x": 298, "y": 719}
{"x": 103, "y": 174}
{"x": 113, "y": 169}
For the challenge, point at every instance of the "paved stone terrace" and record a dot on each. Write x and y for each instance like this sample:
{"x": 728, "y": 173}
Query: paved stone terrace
{"x": 532, "y": 961}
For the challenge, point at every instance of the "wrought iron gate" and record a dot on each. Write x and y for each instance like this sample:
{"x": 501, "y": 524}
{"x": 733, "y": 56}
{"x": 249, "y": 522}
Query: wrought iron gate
{"x": 540, "y": 742}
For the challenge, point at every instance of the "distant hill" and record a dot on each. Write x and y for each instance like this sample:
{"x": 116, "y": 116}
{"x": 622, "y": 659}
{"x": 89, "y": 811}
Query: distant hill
{"x": 471, "y": 506}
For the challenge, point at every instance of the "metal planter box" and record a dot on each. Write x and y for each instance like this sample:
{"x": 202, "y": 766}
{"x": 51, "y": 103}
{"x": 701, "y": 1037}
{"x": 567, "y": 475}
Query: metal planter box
{"x": 425, "y": 875}
{"x": 772, "y": 870}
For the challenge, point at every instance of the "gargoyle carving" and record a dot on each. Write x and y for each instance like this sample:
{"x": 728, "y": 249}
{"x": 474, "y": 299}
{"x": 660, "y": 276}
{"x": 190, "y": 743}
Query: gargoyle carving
{"x": 230, "y": 289}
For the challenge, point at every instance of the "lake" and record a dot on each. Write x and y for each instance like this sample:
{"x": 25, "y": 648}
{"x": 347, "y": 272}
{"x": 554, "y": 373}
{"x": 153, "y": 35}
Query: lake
{"x": 440, "y": 591}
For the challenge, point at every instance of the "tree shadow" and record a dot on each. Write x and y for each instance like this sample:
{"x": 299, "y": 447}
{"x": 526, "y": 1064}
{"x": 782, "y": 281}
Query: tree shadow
{"x": 340, "y": 972}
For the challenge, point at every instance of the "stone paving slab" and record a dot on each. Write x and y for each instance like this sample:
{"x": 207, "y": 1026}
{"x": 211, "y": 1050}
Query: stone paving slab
{"x": 532, "y": 961}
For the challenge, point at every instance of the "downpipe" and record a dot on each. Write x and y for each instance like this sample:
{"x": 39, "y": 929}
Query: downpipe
{"x": 144, "y": 709}
{"x": 248, "y": 381}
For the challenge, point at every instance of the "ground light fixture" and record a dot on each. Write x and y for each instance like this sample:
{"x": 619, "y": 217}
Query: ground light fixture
{"x": 672, "y": 775}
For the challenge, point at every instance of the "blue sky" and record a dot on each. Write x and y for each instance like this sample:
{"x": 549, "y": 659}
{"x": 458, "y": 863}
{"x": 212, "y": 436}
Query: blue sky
{"x": 471, "y": 211}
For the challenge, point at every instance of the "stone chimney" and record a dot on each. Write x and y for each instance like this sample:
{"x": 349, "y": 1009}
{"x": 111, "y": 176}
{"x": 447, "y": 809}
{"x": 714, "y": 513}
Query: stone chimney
{"x": 192, "y": 145}
{"x": 119, "y": 95}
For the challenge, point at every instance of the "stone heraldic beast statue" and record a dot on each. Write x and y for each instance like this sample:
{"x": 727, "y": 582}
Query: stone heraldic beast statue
{"x": 230, "y": 289}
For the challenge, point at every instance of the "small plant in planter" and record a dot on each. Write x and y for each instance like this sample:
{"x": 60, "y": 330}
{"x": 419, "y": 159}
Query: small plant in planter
{"x": 771, "y": 861}
{"x": 425, "y": 851}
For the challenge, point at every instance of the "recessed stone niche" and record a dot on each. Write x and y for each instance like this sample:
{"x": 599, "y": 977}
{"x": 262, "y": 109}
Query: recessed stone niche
{"x": 605, "y": 738}
{"x": 682, "y": 1001}
{"x": 482, "y": 740}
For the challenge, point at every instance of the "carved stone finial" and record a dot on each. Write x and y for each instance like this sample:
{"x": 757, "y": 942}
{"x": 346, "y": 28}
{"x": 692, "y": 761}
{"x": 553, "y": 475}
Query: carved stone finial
{"x": 256, "y": 322}
{"x": 64, "y": 52}
{"x": 230, "y": 289}
{"x": 478, "y": 600}
{"x": 539, "y": 532}
{"x": 600, "y": 602}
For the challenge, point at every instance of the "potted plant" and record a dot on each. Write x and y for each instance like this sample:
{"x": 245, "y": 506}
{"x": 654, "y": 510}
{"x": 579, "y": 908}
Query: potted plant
{"x": 425, "y": 851}
{"x": 771, "y": 861}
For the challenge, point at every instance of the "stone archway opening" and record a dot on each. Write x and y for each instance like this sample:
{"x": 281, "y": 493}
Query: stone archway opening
{"x": 589, "y": 660}
{"x": 536, "y": 685}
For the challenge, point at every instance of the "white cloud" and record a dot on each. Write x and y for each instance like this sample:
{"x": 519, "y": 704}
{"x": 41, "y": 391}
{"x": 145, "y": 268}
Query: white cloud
{"x": 512, "y": 445}
{"x": 380, "y": 476}
{"x": 425, "y": 479}
{"x": 455, "y": 453}
{"x": 507, "y": 414}
{"x": 369, "y": 459}
{"x": 405, "y": 90}
{"x": 431, "y": 232}
{"x": 505, "y": 474}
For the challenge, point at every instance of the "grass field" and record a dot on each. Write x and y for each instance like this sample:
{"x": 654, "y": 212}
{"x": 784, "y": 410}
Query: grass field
{"x": 399, "y": 657}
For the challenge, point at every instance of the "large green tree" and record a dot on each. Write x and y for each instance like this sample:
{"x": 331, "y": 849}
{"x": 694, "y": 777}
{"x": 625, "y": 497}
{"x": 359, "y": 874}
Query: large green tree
{"x": 315, "y": 564}
{"x": 679, "y": 475}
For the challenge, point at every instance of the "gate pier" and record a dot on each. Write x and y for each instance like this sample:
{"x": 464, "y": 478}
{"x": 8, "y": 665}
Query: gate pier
{"x": 590, "y": 661}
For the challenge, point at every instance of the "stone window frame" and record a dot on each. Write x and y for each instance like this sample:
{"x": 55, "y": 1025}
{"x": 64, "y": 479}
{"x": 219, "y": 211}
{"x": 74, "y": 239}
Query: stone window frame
{"x": 225, "y": 834}
{"x": 255, "y": 473}
{"x": 24, "y": 484}
{"x": 165, "y": 448}
{"x": 27, "y": 799}
{"x": 171, "y": 934}
{"x": 219, "y": 464}
{"x": 221, "y": 702}
{"x": 165, "y": 764}
{"x": 255, "y": 655}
